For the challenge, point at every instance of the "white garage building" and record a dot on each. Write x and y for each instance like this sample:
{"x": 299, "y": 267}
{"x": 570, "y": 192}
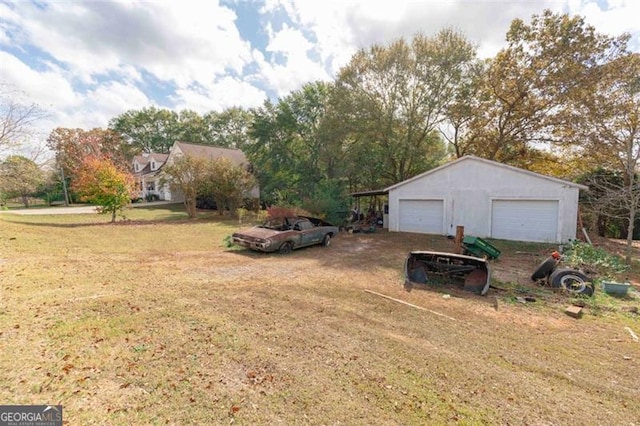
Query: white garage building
{"x": 489, "y": 199}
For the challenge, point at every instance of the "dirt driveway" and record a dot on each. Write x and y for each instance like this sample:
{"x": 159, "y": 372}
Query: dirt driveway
{"x": 515, "y": 364}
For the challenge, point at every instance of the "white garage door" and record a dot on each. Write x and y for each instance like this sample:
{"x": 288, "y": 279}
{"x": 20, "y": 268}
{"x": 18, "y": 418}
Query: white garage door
{"x": 525, "y": 220}
{"x": 423, "y": 216}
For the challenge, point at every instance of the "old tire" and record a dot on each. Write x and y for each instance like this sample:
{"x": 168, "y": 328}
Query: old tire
{"x": 326, "y": 241}
{"x": 544, "y": 269}
{"x": 286, "y": 248}
{"x": 571, "y": 280}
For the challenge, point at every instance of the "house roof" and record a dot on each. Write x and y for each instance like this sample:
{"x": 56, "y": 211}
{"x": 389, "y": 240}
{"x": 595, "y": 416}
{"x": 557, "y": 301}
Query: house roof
{"x": 160, "y": 158}
{"x": 146, "y": 171}
{"x": 145, "y": 161}
{"x": 489, "y": 162}
{"x": 209, "y": 151}
{"x": 236, "y": 156}
{"x": 146, "y": 158}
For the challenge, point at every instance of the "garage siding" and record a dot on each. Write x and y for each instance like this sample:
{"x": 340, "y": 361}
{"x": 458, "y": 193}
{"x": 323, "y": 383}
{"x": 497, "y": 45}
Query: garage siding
{"x": 525, "y": 220}
{"x": 422, "y": 216}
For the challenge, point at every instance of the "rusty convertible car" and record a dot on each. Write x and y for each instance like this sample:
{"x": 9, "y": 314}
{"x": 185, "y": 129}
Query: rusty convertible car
{"x": 284, "y": 234}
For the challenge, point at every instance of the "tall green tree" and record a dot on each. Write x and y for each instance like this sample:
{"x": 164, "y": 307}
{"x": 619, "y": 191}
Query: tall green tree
{"x": 149, "y": 129}
{"x": 291, "y": 145}
{"x": 156, "y": 130}
{"x": 272, "y": 156}
{"x": 191, "y": 127}
{"x": 392, "y": 98}
{"x": 229, "y": 128}
{"x": 20, "y": 177}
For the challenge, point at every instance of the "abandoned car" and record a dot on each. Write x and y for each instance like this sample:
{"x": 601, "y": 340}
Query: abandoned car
{"x": 284, "y": 234}
{"x": 428, "y": 268}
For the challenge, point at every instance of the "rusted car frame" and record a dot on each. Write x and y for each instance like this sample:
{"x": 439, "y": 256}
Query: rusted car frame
{"x": 428, "y": 268}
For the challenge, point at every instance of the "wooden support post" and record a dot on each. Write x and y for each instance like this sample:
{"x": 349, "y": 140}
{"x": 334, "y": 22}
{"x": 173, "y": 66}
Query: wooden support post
{"x": 458, "y": 241}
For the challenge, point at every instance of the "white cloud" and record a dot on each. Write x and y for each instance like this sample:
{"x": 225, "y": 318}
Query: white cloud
{"x": 49, "y": 89}
{"x": 107, "y": 101}
{"x": 341, "y": 27}
{"x": 64, "y": 106}
{"x": 295, "y": 72}
{"x": 224, "y": 93}
{"x": 296, "y": 68}
{"x": 181, "y": 41}
{"x": 288, "y": 41}
{"x": 619, "y": 17}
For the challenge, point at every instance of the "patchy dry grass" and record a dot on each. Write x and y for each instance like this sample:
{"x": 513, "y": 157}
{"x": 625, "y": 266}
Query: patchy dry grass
{"x": 158, "y": 322}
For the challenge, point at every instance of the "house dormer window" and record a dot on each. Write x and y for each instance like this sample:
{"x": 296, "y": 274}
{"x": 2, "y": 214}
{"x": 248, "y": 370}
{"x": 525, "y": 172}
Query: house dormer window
{"x": 135, "y": 167}
{"x": 153, "y": 165}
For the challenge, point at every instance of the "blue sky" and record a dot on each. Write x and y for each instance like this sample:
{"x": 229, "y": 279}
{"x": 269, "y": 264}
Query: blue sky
{"x": 88, "y": 61}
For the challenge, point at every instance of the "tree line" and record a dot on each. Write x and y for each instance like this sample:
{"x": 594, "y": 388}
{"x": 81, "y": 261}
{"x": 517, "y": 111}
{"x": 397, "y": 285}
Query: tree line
{"x": 559, "y": 99}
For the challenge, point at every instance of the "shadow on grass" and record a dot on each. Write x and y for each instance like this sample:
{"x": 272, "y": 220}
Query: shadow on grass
{"x": 126, "y": 222}
{"x": 57, "y": 225}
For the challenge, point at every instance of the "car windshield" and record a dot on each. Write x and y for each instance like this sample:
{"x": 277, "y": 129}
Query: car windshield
{"x": 278, "y": 223}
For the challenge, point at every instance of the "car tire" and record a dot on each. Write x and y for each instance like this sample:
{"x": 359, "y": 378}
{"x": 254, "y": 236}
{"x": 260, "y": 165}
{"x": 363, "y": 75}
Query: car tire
{"x": 326, "y": 241}
{"x": 571, "y": 280}
{"x": 286, "y": 248}
{"x": 544, "y": 269}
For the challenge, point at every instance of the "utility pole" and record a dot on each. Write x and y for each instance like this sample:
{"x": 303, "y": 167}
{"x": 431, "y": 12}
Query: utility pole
{"x": 64, "y": 187}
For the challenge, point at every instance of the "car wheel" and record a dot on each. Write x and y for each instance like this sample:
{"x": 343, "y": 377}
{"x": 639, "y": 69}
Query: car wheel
{"x": 544, "y": 269}
{"x": 286, "y": 248}
{"x": 326, "y": 241}
{"x": 571, "y": 280}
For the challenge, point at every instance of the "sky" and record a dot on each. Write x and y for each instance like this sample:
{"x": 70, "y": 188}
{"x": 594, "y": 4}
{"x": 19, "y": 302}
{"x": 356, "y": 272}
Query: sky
{"x": 85, "y": 62}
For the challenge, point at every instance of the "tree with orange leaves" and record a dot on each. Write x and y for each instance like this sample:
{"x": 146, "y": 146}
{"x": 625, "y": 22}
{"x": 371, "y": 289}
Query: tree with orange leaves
{"x": 72, "y": 146}
{"x": 100, "y": 182}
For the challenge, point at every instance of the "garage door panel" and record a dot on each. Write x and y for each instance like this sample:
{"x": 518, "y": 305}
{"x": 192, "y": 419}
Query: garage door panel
{"x": 525, "y": 220}
{"x": 421, "y": 216}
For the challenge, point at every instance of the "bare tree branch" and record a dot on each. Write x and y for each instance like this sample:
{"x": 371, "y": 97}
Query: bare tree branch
{"x": 17, "y": 119}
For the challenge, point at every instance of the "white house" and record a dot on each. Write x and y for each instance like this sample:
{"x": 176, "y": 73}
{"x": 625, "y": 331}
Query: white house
{"x": 146, "y": 171}
{"x": 489, "y": 199}
{"x": 148, "y": 167}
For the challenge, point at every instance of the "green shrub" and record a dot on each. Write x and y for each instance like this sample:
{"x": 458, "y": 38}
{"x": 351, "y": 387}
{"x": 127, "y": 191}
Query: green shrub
{"x": 329, "y": 201}
{"x": 578, "y": 254}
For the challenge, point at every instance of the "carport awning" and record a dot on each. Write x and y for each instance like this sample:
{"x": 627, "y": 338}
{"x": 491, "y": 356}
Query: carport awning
{"x": 370, "y": 193}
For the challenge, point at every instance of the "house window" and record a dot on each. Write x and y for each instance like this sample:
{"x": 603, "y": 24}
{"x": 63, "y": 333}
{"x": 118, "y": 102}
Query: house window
{"x": 151, "y": 186}
{"x": 153, "y": 165}
{"x": 135, "y": 167}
